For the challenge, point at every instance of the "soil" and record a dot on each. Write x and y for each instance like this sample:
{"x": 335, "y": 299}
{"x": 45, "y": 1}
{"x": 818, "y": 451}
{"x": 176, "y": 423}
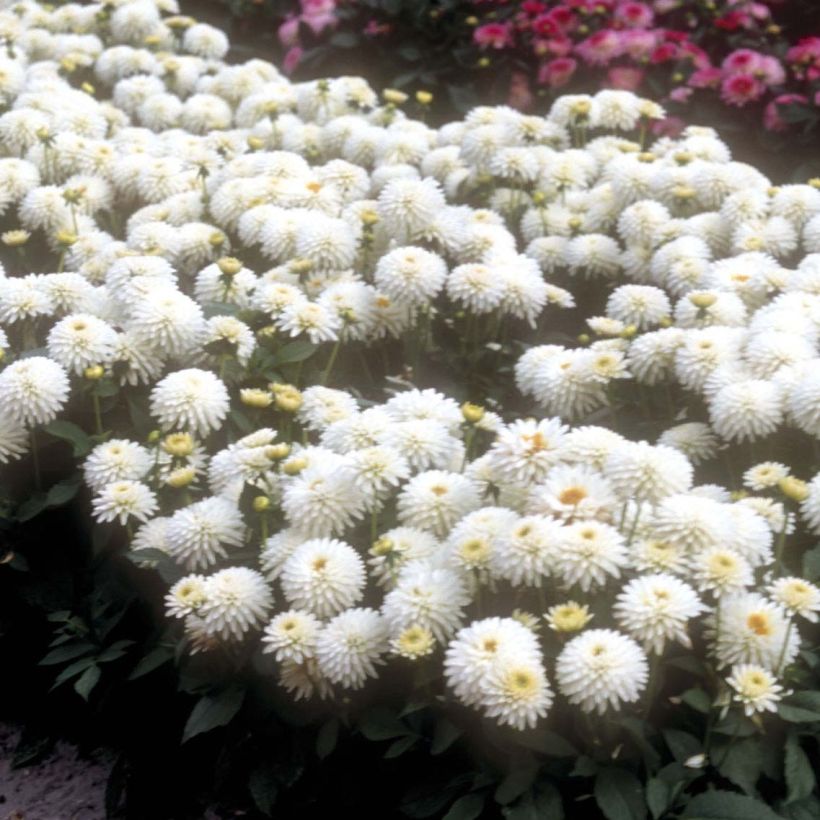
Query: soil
{"x": 62, "y": 786}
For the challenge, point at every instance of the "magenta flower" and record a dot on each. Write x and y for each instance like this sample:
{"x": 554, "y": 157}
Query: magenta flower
{"x": 600, "y": 48}
{"x": 624, "y": 78}
{"x": 557, "y": 72}
{"x": 740, "y": 89}
{"x": 493, "y": 35}
{"x": 634, "y": 15}
{"x": 771, "y": 114}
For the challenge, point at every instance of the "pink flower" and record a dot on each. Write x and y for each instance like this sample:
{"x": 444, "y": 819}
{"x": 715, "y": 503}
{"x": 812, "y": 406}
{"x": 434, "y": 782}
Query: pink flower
{"x": 519, "y": 96}
{"x": 624, "y": 78}
{"x": 494, "y": 35}
{"x": 771, "y": 71}
{"x": 664, "y": 53}
{"x": 699, "y": 58}
{"x": 634, "y": 15}
{"x": 557, "y": 46}
{"x": 771, "y": 114}
{"x": 681, "y": 94}
{"x": 638, "y": 43}
{"x": 742, "y": 61}
{"x": 705, "y": 78}
{"x": 563, "y": 17}
{"x": 601, "y": 47}
{"x": 292, "y": 59}
{"x": 805, "y": 58}
{"x": 739, "y": 89}
{"x": 557, "y": 72}
{"x": 288, "y": 32}
{"x": 375, "y": 29}
{"x": 668, "y": 127}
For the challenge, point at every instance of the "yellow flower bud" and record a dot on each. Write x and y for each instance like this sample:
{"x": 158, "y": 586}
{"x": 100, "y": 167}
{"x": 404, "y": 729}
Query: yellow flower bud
{"x": 229, "y": 265}
{"x": 814, "y": 182}
{"x": 294, "y": 466}
{"x": 646, "y": 156}
{"x": 382, "y": 547}
{"x": 473, "y": 413}
{"x": 484, "y": 62}
{"x": 94, "y": 373}
{"x": 216, "y": 239}
{"x": 261, "y": 503}
{"x": 301, "y": 266}
{"x": 276, "y": 452}
{"x": 629, "y": 332}
{"x": 178, "y": 444}
{"x": 369, "y": 217}
{"x": 15, "y": 239}
{"x": 255, "y": 143}
{"x": 66, "y": 238}
{"x": 181, "y": 477}
{"x": 255, "y": 398}
{"x": 472, "y": 20}
{"x": 424, "y": 97}
{"x": 88, "y": 88}
{"x": 794, "y": 488}
{"x": 394, "y": 96}
{"x": 584, "y": 338}
{"x": 287, "y": 397}
{"x": 703, "y": 300}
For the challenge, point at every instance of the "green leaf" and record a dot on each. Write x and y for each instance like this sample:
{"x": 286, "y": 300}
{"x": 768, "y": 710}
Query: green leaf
{"x": 515, "y": 784}
{"x": 444, "y": 735}
{"x": 327, "y": 737}
{"x": 466, "y": 808}
{"x": 72, "y": 670}
{"x": 294, "y": 352}
{"x": 742, "y": 762}
{"x": 380, "y": 723}
{"x": 68, "y": 431}
{"x": 619, "y": 795}
{"x": 67, "y": 653}
{"x": 432, "y": 796}
{"x": 811, "y": 563}
{"x": 796, "y": 714}
{"x": 212, "y": 711}
{"x": 344, "y": 39}
{"x": 400, "y": 746}
{"x": 263, "y": 788}
{"x": 797, "y": 770}
{"x": 153, "y": 660}
{"x": 543, "y": 803}
{"x": 658, "y": 796}
{"x": 723, "y": 805}
{"x": 548, "y": 743}
{"x": 63, "y": 492}
{"x": 87, "y": 681}
{"x": 114, "y": 652}
{"x": 698, "y": 700}
{"x": 681, "y": 744}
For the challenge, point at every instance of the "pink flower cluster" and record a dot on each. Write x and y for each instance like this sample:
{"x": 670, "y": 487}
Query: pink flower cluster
{"x": 318, "y": 15}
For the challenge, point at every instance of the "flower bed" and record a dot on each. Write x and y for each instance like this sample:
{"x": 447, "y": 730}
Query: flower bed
{"x": 503, "y": 429}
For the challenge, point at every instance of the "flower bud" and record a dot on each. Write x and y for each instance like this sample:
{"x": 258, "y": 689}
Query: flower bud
{"x": 276, "y": 452}
{"x": 794, "y": 488}
{"x": 424, "y": 97}
{"x": 472, "y": 413}
{"x": 94, "y": 373}
{"x": 255, "y": 398}
{"x": 15, "y": 239}
{"x": 703, "y": 300}
{"x": 178, "y": 444}
{"x": 229, "y": 265}
{"x": 394, "y": 96}
{"x": 181, "y": 477}
{"x": 294, "y": 466}
{"x": 261, "y": 504}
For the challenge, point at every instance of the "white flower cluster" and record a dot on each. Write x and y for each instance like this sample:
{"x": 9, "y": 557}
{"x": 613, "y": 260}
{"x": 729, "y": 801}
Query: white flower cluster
{"x": 394, "y": 528}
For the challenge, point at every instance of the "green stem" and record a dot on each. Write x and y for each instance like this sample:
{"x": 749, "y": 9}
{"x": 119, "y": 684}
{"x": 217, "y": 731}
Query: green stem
{"x": 374, "y": 525}
{"x": 331, "y": 361}
{"x": 97, "y": 414}
{"x": 61, "y": 261}
{"x": 35, "y": 458}
{"x": 652, "y": 683}
{"x": 781, "y": 543}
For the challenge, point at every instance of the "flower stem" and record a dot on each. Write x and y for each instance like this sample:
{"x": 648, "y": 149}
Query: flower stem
{"x": 97, "y": 414}
{"x": 331, "y": 361}
{"x": 35, "y": 458}
{"x": 781, "y": 543}
{"x": 778, "y": 670}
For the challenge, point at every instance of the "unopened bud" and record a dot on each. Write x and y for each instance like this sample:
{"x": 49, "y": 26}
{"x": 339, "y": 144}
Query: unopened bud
{"x": 216, "y": 239}
{"x": 15, "y": 239}
{"x": 472, "y": 413}
{"x": 424, "y": 97}
{"x": 382, "y": 547}
{"x": 703, "y": 300}
{"x": 584, "y": 338}
{"x": 178, "y": 444}
{"x": 276, "y": 452}
{"x": 229, "y": 265}
{"x": 294, "y": 466}
{"x": 255, "y": 143}
{"x": 253, "y": 397}
{"x": 629, "y": 332}
{"x": 394, "y": 96}
{"x": 301, "y": 266}
{"x": 66, "y": 238}
{"x": 88, "y": 88}
{"x": 261, "y": 503}
{"x": 794, "y": 488}
{"x": 181, "y": 477}
{"x": 94, "y": 373}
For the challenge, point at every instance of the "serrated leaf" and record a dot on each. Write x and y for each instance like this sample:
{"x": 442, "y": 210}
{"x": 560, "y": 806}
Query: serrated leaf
{"x": 327, "y": 737}
{"x": 444, "y": 735}
{"x": 658, "y": 796}
{"x": 79, "y": 440}
{"x": 619, "y": 795}
{"x": 797, "y": 770}
{"x": 87, "y": 681}
{"x": 153, "y": 660}
{"x": 723, "y": 805}
{"x": 212, "y": 711}
{"x": 400, "y": 746}
{"x": 467, "y": 807}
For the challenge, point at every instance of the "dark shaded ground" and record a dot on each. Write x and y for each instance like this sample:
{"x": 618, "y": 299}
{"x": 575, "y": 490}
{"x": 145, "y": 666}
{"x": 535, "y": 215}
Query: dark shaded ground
{"x": 63, "y": 786}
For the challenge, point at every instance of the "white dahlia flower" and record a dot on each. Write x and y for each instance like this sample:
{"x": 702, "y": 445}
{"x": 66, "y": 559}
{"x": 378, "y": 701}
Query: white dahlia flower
{"x": 192, "y": 399}
{"x": 33, "y": 390}
{"x": 237, "y": 600}
{"x": 350, "y": 647}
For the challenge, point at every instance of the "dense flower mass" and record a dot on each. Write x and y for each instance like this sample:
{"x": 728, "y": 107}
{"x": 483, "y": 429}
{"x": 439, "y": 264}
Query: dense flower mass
{"x": 224, "y": 243}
